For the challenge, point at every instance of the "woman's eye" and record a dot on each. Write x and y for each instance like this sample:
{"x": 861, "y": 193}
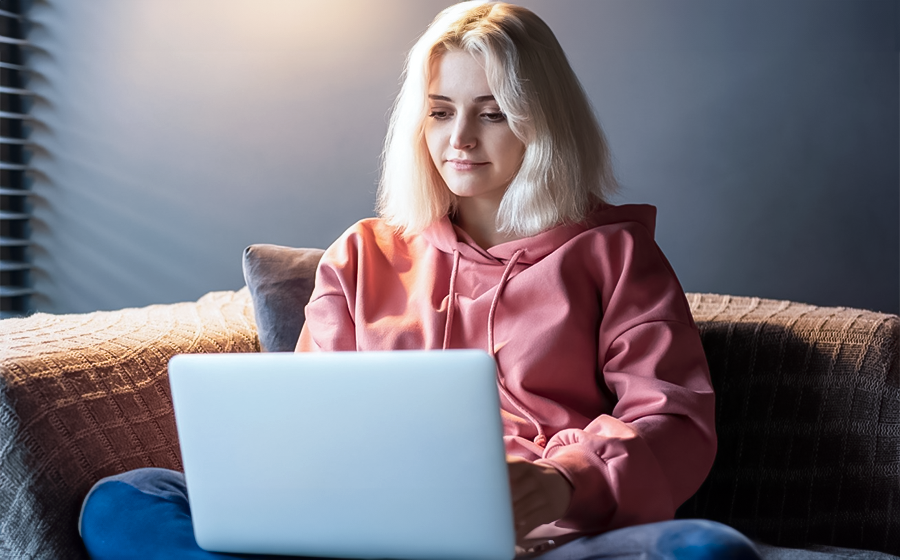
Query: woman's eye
{"x": 494, "y": 117}
{"x": 439, "y": 115}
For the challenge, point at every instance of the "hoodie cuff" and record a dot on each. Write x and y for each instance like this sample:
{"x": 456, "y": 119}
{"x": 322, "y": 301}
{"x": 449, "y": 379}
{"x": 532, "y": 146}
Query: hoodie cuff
{"x": 616, "y": 481}
{"x": 593, "y": 504}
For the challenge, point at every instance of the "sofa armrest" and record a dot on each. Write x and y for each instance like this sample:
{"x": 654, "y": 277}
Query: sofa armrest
{"x": 808, "y": 419}
{"x": 86, "y": 396}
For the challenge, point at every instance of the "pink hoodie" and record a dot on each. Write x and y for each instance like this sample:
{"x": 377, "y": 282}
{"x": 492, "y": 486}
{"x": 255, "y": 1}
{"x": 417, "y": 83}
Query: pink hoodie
{"x": 601, "y": 371}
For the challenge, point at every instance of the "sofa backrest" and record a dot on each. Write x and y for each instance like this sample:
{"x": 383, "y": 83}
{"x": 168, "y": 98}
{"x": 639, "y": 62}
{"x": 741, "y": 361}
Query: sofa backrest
{"x": 808, "y": 419}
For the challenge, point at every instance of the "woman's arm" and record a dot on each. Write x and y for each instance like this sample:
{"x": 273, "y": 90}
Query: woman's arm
{"x": 330, "y": 307}
{"x": 639, "y": 462}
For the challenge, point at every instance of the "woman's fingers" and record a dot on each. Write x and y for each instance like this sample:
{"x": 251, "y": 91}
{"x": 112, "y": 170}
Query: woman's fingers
{"x": 522, "y": 488}
{"x": 527, "y": 520}
{"x": 539, "y": 494}
{"x": 525, "y": 497}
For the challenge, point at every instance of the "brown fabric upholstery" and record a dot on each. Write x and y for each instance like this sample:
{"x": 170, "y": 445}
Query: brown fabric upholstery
{"x": 808, "y": 416}
{"x": 86, "y": 396}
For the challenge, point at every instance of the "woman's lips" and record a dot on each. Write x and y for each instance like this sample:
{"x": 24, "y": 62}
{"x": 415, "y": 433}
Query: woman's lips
{"x": 465, "y": 164}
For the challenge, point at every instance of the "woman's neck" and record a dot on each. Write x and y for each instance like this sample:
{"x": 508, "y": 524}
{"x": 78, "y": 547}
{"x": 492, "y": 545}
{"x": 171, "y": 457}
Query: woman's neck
{"x": 479, "y": 221}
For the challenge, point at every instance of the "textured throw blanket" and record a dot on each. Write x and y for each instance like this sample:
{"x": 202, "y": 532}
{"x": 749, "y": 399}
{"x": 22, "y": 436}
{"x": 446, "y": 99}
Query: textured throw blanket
{"x": 86, "y": 396}
{"x": 808, "y": 419}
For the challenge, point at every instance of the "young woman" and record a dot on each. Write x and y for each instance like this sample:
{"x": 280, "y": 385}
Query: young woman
{"x": 494, "y": 233}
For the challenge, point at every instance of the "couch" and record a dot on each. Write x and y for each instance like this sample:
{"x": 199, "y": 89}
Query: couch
{"x": 808, "y": 405}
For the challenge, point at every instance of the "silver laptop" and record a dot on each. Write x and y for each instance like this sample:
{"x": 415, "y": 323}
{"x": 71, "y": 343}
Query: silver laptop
{"x": 347, "y": 454}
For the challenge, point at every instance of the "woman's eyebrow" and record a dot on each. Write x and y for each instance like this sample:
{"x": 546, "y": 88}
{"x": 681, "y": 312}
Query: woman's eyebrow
{"x": 479, "y": 99}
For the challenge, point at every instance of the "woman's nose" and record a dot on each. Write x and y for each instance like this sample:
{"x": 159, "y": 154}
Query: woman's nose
{"x": 462, "y": 136}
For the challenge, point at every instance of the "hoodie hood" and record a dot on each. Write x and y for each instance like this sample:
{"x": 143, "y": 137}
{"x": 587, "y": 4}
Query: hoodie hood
{"x": 448, "y": 238}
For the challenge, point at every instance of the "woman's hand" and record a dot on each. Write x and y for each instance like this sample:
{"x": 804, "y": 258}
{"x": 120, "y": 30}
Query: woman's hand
{"x": 540, "y": 494}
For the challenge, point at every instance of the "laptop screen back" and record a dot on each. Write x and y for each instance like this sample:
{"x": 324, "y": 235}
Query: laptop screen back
{"x": 354, "y": 455}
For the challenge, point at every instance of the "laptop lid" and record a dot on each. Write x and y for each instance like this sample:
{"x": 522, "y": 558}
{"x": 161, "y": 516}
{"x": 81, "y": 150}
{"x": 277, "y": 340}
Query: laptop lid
{"x": 347, "y": 454}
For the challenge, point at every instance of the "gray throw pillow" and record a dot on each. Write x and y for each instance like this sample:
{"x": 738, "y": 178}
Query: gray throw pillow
{"x": 280, "y": 280}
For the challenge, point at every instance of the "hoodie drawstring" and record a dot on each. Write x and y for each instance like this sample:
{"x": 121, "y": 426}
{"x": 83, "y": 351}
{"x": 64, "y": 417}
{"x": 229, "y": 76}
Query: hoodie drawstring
{"x": 541, "y": 438}
{"x": 503, "y": 280}
{"x": 448, "y": 326}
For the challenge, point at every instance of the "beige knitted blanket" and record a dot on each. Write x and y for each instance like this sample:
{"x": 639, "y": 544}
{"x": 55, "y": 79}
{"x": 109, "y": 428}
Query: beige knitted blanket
{"x": 86, "y": 396}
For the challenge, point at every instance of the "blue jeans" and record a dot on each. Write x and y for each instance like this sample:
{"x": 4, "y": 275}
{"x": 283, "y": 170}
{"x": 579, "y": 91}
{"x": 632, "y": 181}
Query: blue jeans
{"x": 144, "y": 515}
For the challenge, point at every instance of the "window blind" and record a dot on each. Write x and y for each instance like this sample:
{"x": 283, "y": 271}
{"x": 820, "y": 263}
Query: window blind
{"x": 15, "y": 99}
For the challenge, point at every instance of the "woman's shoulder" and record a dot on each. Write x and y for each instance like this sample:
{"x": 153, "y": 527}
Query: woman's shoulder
{"x": 620, "y": 241}
{"x": 635, "y": 218}
{"x": 370, "y": 230}
{"x": 626, "y": 227}
{"x": 369, "y": 236}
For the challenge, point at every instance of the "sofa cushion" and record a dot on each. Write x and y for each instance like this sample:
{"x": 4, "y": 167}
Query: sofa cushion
{"x": 280, "y": 280}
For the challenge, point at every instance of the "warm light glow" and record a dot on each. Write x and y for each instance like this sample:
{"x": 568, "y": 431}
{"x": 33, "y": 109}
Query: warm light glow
{"x": 322, "y": 31}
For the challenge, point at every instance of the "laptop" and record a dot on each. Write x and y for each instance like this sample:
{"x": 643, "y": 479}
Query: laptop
{"x": 346, "y": 454}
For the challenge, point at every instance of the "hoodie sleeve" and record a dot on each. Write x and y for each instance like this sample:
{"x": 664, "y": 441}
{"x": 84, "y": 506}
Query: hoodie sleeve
{"x": 331, "y": 305}
{"x": 652, "y": 452}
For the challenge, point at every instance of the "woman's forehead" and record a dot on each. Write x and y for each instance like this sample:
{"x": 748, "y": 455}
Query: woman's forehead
{"x": 459, "y": 75}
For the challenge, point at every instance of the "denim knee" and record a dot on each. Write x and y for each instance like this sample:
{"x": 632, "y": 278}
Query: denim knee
{"x": 701, "y": 539}
{"x": 165, "y": 483}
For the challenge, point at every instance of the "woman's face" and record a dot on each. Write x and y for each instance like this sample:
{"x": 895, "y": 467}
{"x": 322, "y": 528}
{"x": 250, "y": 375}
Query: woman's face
{"x": 467, "y": 135}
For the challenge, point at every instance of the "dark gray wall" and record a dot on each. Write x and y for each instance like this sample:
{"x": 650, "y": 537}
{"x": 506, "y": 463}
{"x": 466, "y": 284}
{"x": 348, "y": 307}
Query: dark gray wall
{"x": 173, "y": 133}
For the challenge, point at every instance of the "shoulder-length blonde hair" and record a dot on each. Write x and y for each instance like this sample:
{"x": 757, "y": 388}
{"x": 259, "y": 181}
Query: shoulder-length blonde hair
{"x": 566, "y": 169}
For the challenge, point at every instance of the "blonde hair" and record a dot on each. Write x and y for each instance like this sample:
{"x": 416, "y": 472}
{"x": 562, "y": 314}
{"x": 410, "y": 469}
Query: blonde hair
{"x": 566, "y": 170}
